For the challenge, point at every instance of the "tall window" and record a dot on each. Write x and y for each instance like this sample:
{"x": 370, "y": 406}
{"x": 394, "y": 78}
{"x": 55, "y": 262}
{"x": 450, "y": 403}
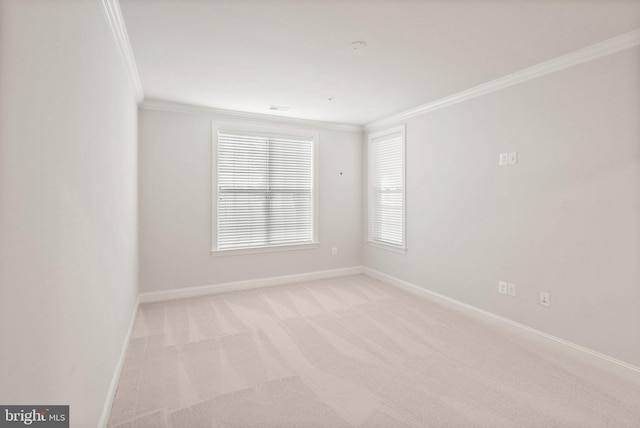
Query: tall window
{"x": 264, "y": 190}
{"x": 387, "y": 188}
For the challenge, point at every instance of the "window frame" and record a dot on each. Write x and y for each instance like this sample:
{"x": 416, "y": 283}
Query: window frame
{"x": 266, "y": 131}
{"x": 401, "y": 130}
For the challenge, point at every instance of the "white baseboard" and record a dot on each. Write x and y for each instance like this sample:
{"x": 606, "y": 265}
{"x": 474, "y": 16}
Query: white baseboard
{"x": 200, "y": 291}
{"x": 598, "y": 359}
{"x": 595, "y": 358}
{"x": 104, "y": 418}
{"x": 181, "y": 293}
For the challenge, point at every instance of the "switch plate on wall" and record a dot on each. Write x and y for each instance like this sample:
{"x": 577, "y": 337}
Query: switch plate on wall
{"x": 502, "y": 287}
{"x": 504, "y": 159}
{"x": 334, "y": 251}
{"x": 513, "y": 158}
{"x": 511, "y": 289}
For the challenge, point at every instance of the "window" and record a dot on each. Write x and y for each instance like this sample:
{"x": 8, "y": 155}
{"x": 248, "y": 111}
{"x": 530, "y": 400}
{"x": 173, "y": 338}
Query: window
{"x": 387, "y": 189}
{"x": 265, "y": 194}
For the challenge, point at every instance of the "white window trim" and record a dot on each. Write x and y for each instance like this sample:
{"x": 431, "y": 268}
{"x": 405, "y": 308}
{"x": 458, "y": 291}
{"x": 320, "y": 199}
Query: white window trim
{"x": 402, "y": 249}
{"x": 271, "y": 249}
{"x": 261, "y": 130}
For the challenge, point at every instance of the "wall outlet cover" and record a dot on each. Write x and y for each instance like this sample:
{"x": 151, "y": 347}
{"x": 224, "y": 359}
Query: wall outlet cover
{"x": 544, "y": 298}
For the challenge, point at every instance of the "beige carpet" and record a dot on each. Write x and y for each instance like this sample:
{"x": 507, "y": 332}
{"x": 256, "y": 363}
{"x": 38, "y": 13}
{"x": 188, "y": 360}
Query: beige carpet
{"x": 350, "y": 352}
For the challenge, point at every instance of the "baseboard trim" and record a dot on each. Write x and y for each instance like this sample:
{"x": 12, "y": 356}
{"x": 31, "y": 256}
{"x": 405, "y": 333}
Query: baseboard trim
{"x": 598, "y": 359}
{"x": 181, "y": 293}
{"x": 603, "y": 361}
{"x": 111, "y": 393}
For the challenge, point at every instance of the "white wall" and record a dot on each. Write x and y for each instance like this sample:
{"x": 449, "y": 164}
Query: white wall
{"x": 564, "y": 220}
{"x": 175, "y": 207}
{"x": 68, "y": 268}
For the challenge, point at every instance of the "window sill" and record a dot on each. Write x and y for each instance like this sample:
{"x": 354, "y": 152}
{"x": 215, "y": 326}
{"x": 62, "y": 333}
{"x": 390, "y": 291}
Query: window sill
{"x": 395, "y": 249}
{"x": 258, "y": 250}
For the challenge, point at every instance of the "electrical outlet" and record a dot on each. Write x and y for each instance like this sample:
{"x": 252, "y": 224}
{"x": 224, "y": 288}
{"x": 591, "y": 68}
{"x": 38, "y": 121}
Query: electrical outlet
{"x": 544, "y": 298}
{"x": 511, "y": 289}
{"x": 504, "y": 159}
{"x": 502, "y": 287}
{"x": 513, "y": 158}
{"x": 334, "y": 251}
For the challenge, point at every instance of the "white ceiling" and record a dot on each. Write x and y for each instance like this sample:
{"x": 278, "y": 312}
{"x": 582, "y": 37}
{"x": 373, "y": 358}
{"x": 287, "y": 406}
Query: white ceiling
{"x": 247, "y": 55}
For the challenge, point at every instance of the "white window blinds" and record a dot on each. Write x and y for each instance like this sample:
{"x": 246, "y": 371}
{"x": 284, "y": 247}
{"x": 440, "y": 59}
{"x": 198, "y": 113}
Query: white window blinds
{"x": 265, "y": 190}
{"x": 387, "y": 188}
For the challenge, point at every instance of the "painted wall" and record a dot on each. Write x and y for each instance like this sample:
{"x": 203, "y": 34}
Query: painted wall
{"x": 68, "y": 251}
{"x": 564, "y": 220}
{"x": 176, "y": 200}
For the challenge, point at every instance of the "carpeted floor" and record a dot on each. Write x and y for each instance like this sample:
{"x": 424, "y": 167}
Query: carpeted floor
{"x": 350, "y": 352}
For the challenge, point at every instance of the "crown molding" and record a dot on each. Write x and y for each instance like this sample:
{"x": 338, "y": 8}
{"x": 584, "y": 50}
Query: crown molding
{"x": 606, "y": 47}
{"x": 160, "y": 105}
{"x": 119, "y": 30}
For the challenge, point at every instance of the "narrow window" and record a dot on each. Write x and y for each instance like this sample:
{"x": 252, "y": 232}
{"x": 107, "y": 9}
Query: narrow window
{"x": 387, "y": 188}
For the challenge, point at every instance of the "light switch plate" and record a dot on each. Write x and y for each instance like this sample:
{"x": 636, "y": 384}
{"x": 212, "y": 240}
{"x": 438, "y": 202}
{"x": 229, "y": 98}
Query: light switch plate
{"x": 502, "y": 287}
{"x": 513, "y": 158}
